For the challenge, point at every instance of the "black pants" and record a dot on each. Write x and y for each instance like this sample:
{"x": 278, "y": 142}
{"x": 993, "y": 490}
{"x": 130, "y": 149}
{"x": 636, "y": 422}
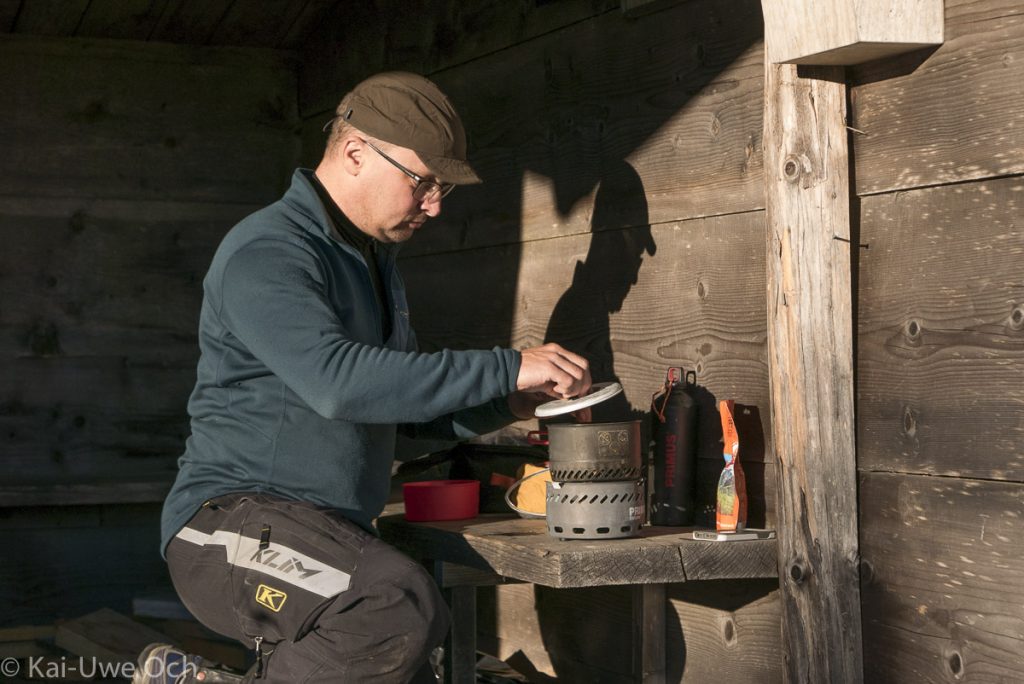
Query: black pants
{"x": 331, "y": 602}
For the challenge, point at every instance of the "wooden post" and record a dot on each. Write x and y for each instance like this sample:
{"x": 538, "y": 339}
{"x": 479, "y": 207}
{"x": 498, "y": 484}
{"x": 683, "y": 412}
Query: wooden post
{"x": 650, "y": 601}
{"x": 810, "y": 351}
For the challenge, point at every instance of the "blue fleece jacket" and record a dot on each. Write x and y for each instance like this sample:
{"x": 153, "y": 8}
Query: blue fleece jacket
{"x": 296, "y": 393}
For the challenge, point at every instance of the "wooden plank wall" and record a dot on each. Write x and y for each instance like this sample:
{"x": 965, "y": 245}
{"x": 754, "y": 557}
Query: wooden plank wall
{"x": 621, "y": 215}
{"x": 124, "y": 163}
{"x": 279, "y": 24}
{"x": 939, "y": 164}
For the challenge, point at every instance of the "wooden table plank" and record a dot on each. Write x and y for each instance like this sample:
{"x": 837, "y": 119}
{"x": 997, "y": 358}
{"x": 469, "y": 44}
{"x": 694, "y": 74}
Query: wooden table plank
{"x": 523, "y": 550}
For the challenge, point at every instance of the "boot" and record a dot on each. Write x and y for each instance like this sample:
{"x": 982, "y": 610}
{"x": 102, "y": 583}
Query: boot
{"x": 165, "y": 664}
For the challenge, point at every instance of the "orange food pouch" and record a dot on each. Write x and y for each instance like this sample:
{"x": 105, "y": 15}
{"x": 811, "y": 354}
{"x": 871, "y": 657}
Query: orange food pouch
{"x": 731, "y": 501}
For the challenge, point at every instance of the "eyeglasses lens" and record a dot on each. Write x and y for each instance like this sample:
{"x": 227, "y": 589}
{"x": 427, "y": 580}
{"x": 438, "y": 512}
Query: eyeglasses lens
{"x": 429, "y": 191}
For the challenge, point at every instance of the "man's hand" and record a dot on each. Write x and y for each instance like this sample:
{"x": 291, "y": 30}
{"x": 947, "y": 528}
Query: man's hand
{"x": 553, "y": 371}
{"x": 523, "y": 404}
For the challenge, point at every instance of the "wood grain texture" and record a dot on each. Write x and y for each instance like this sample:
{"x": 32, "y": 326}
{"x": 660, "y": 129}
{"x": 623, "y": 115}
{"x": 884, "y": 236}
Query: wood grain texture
{"x": 941, "y": 331}
{"x": 121, "y": 19}
{"x": 51, "y": 493}
{"x": 190, "y": 21}
{"x": 539, "y": 631}
{"x": 360, "y": 39}
{"x": 650, "y": 605}
{"x": 309, "y": 19}
{"x": 269, "y": 24}
{"x": 244, "y": 24}
{"x": 728, "y": 631}
{"x": 839, "y": 32}
{"x": 613, "y": 107}
{"x": 50, "y": 17}
{"x": 523, "y": 550}
{"x": 71, "y": 419}
{"x": 70, "y": 561}
{"x": 810, "y": 351}
{"x": 697, "y": 302}
{"x": 126, "y": 164}
{"x": 107, "y": 636}
{"x": 714, "y": 631}
{"x": 126, "y": 120}
{"x": 460, "y": 642}
{"x": 98, "y": 277}
{"x": 946, "y": 116}
{"x": 942, "y": 578}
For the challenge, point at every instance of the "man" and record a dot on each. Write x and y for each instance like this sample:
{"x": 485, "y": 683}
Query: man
{"x": 307, "y": 369}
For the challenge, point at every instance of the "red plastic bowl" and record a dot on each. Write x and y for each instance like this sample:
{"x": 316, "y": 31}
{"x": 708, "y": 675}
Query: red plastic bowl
{"x": 441, "y": 500}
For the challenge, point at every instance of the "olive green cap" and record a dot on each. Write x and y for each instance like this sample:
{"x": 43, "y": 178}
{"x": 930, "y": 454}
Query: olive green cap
{"x": 408, "y": 110}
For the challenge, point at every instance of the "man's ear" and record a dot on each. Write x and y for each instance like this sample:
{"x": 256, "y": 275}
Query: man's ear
{"x": 352, "y": 154}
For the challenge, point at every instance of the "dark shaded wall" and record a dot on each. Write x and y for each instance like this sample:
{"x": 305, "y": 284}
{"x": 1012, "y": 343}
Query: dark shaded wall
{"x": 123, "y": 165}
{"x": 621, "y": 214}
{"x": 939, "y": 173}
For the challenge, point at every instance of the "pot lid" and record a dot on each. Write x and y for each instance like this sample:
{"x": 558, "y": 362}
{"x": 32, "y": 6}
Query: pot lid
{"x": 598, "y": 393}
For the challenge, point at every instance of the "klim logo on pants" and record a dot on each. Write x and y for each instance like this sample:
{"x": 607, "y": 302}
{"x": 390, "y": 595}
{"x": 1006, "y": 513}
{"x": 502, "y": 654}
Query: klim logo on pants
{"x": 270, "y": 598}
{"x": 289, "y": 564}
{"x": 278, "y": 562}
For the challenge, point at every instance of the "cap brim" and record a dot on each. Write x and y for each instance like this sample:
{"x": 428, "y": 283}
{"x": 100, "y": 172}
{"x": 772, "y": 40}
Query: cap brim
{"x": 450, "y": 170}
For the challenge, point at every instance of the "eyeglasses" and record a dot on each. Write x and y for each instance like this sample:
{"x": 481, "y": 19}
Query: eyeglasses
{"x": 426, "y": 190}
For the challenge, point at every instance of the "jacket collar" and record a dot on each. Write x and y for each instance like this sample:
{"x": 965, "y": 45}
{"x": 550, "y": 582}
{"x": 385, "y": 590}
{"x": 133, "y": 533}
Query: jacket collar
{"x": 302, "y": 197}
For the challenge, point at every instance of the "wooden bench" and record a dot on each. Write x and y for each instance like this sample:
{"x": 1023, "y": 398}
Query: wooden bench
{"x": 492, "y": 549}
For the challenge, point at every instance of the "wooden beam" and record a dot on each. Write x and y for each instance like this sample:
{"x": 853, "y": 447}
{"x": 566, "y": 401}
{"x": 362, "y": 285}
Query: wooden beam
{"x": 107, "y": 636}
{"x": 460, "y": 645}
{"x": 649, "y": 607}
{"x": 839, "y": 32}
{"x": 810, "y": 356}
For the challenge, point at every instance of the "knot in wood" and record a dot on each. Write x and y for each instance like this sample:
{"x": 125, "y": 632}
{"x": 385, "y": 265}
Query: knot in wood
{"x": 729, "y": 637}
{"x": 798, "y": 571}
{"x": 909, "y": 422}
{"x": 912, "y": 331}
{"x": 1017, "y": 318}
{"x": 793, "y": 167}
{"x": 867, "y": 572}
{"x": 955, "y": 663}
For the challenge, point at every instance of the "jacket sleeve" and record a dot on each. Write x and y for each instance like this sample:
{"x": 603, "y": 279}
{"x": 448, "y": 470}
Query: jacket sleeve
{"x": 273, "y": 299}
{"x": 464, "y": 424}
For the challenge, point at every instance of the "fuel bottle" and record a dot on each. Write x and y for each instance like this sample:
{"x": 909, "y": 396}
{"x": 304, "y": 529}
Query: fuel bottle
{"x": 674, "y": 411}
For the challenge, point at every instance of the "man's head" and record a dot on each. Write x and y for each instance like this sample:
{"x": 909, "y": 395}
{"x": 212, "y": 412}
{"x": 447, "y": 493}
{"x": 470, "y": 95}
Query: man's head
{"x": 396, "y": 147}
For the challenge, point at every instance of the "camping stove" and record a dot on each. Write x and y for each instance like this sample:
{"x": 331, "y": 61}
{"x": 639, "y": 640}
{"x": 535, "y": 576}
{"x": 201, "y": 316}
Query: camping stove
{"x": 597, "y": 486}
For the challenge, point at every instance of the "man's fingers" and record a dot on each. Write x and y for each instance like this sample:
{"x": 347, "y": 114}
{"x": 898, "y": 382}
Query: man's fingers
{"x": 568, "y": 361}
{"x": 584, "y": 415}
{"x": 553, "y": 370}
{"x": 567, "y": 374}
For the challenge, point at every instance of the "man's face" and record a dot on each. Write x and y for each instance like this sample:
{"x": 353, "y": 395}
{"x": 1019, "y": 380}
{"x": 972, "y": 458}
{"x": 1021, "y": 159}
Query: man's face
{"x": 393, "y": 214}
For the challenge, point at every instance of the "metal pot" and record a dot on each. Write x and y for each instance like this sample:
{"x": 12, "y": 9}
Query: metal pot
{"x": 592, "y": 452}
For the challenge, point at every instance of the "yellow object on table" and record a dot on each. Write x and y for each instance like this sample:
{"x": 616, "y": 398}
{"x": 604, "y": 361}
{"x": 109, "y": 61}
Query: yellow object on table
{"x": 531, "y": 495}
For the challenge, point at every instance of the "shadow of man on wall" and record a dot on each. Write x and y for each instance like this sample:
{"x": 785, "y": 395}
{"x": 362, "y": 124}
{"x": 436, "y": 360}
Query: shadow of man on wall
{"x": 581, "y": 319}
{"x": 581, "y": 322}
